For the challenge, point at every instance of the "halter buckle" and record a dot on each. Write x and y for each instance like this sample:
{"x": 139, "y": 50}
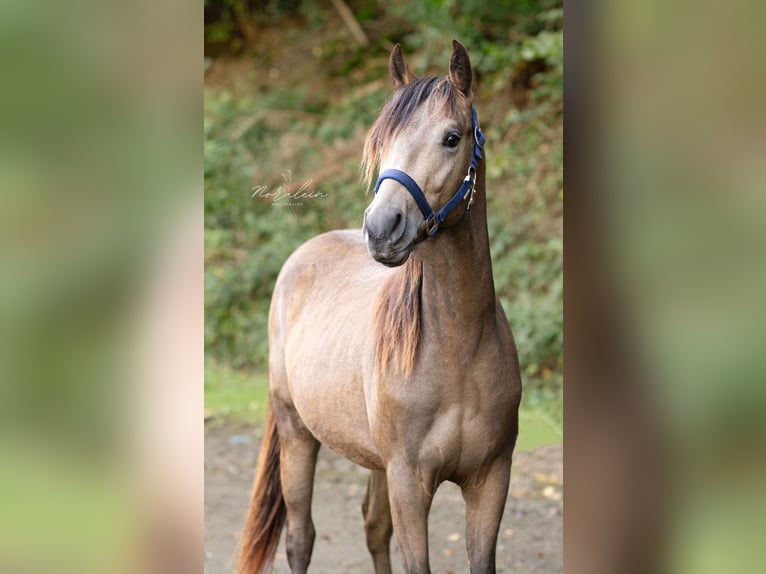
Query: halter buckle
{"x": 470, "y": 199}
{"x": 470, "y": 177}
{"x": 431, "y": 225}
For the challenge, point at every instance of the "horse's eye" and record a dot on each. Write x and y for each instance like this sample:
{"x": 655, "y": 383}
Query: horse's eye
{"x": 452, "y": 140}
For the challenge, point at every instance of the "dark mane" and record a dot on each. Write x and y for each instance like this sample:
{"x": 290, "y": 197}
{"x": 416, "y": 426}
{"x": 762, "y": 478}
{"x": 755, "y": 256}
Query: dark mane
{"x": 397, "y": 319}
{"x": 441, "y": 94}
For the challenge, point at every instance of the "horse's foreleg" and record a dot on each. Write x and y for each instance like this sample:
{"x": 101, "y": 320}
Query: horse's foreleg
{"x": 377, "y": 521}
{"x": 410, "y": 495}
{"x": 485, "y": 503}
{"x": 298, "y": 461}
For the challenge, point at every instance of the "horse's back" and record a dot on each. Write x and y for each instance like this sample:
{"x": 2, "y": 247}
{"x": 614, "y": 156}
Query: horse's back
{"x": 320, "y": 342}
{"x": 330, "y": 271}
{"x": 322, "y": 250}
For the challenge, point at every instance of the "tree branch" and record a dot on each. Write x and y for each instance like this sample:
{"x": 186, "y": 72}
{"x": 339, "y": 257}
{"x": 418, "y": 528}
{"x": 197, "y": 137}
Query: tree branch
{"x": 351, "y": 22}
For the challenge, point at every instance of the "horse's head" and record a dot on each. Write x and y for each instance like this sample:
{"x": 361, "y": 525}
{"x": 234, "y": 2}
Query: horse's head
{"x": 427, "y": 145}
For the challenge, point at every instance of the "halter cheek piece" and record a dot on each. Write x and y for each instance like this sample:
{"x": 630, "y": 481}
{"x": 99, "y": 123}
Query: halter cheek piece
{"x": 465, "y": 191}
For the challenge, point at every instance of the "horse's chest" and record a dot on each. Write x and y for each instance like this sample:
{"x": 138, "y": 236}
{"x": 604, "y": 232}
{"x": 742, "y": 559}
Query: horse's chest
{"x": 452, "y": 448}
{"x": 453, "y": 437}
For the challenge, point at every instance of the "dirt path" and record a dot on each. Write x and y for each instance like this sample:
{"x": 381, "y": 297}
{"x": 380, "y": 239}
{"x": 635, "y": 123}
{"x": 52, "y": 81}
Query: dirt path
{"x": 530, "y": 534}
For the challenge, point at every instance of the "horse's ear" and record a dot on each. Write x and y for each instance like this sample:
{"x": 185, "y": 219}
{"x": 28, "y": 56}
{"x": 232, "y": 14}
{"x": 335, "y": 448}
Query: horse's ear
{"x": 460, "y": 68}
{"x": 400, "y": 74}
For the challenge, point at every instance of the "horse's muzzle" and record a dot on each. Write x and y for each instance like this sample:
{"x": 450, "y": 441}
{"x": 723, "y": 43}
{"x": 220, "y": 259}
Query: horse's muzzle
{"x": 388, "y": 258}
{"x": 385, "y": 235}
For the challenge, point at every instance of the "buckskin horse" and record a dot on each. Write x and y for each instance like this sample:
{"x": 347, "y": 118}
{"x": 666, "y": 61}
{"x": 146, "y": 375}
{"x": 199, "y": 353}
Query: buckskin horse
{"x": 389, "y": 346}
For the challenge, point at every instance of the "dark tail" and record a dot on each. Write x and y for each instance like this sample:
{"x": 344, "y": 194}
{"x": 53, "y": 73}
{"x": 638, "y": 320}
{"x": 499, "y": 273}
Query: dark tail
{"x": 260, "y": 536}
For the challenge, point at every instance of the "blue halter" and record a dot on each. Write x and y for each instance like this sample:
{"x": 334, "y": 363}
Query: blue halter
{"x": 465, "y": 191}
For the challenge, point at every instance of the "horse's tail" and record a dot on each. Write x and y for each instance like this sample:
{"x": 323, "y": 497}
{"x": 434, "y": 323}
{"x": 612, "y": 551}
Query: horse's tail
{"x": 266, "y": 517}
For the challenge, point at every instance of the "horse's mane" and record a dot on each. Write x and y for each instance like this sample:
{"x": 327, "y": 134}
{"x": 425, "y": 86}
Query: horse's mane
{"x": 397, "y": 319}
{"x": 442, "y": 95}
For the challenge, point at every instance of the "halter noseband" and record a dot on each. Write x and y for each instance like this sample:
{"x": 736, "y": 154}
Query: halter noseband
{"x": 465, "y": 191}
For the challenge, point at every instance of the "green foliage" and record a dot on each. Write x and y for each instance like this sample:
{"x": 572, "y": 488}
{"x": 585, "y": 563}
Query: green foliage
{"x": 525, "y": 184}
{"x": 225, "y": 20}
{"x": 504, "y": 36}
{"x": 247, "y": 239}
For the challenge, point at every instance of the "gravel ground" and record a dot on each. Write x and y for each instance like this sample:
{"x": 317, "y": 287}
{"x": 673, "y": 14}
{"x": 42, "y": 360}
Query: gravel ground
{"x": 530, "y": 535}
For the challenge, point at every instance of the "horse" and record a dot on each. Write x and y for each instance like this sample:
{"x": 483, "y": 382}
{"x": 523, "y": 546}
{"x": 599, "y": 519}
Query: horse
{"x": 389, "y": 345}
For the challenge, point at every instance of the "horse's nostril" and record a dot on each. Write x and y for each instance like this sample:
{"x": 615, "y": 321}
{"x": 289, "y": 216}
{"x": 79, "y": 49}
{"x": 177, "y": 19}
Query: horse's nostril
{"x": 385, "y": 224}
{"x": 397, "y": 229}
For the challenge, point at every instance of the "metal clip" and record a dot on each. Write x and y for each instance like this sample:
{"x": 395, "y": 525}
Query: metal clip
{"x": 470, "y": 176}
{"x": 431, "y": 225}
{"x": 470, "y": 200}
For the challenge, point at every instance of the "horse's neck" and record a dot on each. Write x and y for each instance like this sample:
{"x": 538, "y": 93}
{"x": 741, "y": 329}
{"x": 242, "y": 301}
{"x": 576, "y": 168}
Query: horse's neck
{"x": 457, "y": 271}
